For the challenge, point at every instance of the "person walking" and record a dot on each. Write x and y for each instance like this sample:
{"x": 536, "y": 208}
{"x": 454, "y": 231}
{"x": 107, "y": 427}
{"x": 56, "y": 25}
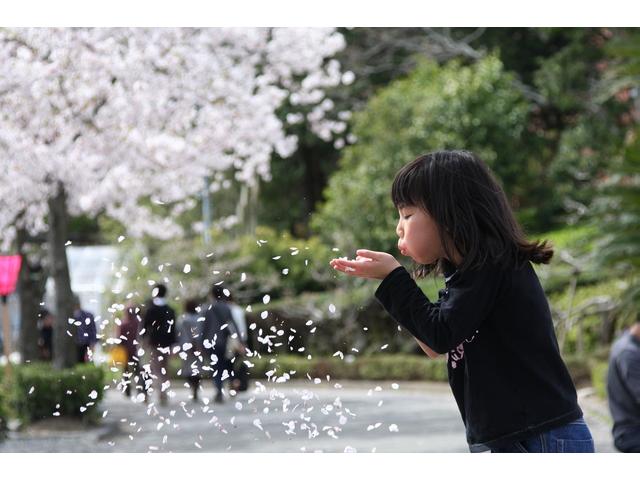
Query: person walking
{"x": 86, "y": 335}
{"x": 623, "y": 389}
{"x": 217, "y": 328}
{"x": 190, "y": 339}
{"x": 240, "y": 380}
{"x": 128, "y": 332}
{"x": 160, "y": 334}
{"x": 45, "y": 340}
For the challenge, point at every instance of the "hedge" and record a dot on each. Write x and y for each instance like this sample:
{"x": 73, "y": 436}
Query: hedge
{"x": 370, "y": 367}
{"x": 389, "y": 367}
{"x": 42, "y": 392}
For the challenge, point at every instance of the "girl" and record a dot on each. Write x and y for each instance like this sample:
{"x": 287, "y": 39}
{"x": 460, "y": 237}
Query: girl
{"x": 492, "y": 318}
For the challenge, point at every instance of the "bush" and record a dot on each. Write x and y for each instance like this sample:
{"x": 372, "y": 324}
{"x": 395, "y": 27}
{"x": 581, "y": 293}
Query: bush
{"x": 4, "y": 414}
{"x": 371, "y": 367}
{"x": 599, "y": 369}
{"x": 41, "y": 391}
{"x": 476, "y": 107}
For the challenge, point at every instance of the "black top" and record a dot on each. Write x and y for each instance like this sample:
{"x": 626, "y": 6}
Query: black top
{"x": 159, "y": 325}
{"x": 623, "y": 388}
{"x": 218, "y": 325}
{"x": 504, "y": 364}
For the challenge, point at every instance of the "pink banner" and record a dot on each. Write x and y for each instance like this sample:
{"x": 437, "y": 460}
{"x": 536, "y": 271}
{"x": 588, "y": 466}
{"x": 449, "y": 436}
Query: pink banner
{"x": 9, "y": 269}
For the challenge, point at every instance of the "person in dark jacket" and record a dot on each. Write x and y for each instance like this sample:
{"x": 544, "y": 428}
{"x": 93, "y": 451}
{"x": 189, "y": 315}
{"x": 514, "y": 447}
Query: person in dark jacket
{"x": 128, "y": 333}
{"x": 218, "y": 327}
{"x": 623, "y": 389}
{"x": 86, "y": 334}
{"x": 492, "y": 319}
{"x": 160, "y": 334}
{"x": 190, "y": 339}
{"x": 45, "y": 341}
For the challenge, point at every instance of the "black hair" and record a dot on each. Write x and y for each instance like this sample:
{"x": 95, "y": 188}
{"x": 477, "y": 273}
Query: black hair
{"x": 159, "y": 290}
{"x": 191, "y": 306}
{"x": 217, "y": 292}
{"x": 471, "y": 210}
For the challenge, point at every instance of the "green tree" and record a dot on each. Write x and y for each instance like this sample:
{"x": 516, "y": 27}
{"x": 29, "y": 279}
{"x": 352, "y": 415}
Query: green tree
{"x": 618, "y": 211}
{"x": 476, "y": 107}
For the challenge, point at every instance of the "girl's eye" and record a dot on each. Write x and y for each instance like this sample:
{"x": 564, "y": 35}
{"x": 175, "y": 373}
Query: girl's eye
{"x": 406, "y": 217}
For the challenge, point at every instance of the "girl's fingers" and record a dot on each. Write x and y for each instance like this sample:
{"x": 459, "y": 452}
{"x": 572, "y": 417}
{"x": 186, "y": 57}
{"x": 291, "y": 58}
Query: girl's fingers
{"x": 349, "y": 263}
{"x": 350, "y": 268}
{"x": 369, "y": 254}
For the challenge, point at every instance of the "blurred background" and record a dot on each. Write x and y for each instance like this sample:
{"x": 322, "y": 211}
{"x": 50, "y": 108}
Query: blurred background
{"x": 553, "y": 111}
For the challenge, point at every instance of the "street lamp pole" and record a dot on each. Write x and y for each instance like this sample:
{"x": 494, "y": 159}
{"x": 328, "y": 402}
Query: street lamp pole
{"x": 206, "y": 210}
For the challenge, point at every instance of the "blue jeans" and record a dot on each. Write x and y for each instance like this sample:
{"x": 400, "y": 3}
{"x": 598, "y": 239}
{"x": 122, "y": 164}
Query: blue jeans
{"x": 574, "y": 437}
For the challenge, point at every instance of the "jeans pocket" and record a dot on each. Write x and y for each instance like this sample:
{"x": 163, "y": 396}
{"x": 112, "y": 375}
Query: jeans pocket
{"x": 575, "y": 446}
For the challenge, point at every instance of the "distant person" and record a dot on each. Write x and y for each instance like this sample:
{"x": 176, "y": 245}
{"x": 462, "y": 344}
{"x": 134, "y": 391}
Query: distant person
{"x": 240, "y": 381}
{"x": 86, "y": 335}
{"x": 128, "y": 333}
{"x": 218, "y": 326}
{"x": 45, "y": 338}
{"x": 160, "y": 333}
{"x": 190, "y": 339}
{"x": 623, "y": 388}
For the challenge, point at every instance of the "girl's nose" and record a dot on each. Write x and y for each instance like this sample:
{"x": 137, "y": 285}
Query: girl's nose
{"x": 399, "y": 231}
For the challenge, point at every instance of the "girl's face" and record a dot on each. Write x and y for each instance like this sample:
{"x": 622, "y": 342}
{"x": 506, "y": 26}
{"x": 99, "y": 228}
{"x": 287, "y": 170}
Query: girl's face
{"x": 418, "y": 235}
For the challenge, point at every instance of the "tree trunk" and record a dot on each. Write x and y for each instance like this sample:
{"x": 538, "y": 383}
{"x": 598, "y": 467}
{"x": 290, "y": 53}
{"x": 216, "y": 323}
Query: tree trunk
{"x": 247, "y": 208}
{"x": 64, "y": 352}
{"x": 31, "y": 287}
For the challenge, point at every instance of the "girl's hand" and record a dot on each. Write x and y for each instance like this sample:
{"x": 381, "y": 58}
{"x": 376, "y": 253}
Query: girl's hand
{"x": 368, "y": 264}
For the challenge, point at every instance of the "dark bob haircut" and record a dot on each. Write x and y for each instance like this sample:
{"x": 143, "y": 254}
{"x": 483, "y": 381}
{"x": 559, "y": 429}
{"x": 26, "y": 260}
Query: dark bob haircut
{"x": 471, "y": 211}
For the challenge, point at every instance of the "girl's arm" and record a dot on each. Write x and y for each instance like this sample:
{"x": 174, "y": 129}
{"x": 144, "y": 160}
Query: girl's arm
{"x": 430, "y": 353}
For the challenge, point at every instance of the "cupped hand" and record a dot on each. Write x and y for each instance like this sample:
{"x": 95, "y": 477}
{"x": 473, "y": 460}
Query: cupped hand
{"x": 368, "y": 264}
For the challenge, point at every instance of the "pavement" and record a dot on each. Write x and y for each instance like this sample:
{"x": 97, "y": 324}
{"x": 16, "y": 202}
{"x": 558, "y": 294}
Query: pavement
{"x": 296, "y": 416}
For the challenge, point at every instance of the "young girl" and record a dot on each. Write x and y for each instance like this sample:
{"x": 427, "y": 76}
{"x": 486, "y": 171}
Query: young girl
{"x": 492, "y": 318}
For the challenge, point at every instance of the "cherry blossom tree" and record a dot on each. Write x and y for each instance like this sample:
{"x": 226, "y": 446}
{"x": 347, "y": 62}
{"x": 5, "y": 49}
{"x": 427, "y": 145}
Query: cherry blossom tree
{"x": 107, "y": 121}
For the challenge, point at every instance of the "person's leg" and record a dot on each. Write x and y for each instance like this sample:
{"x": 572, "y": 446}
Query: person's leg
{"x": 163, "y": 377}
{"x": 156, "y": 375}
{"x": 81, "y": 351}
{"x": 194, "y": 383}
{"x": 127, "y": 376}
{"x": 219, "y": 368}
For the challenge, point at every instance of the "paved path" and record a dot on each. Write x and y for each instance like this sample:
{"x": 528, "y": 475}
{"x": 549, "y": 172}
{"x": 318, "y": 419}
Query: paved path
{"x": 292, "y": 417}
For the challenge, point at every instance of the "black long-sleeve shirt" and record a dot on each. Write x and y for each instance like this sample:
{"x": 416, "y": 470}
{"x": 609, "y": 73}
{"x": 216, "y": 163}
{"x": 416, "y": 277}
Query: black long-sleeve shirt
{"x": 504, "y": 364}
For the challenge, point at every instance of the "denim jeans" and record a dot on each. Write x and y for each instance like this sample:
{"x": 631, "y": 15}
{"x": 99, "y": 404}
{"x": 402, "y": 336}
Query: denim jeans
{"x": 574, "y": 437}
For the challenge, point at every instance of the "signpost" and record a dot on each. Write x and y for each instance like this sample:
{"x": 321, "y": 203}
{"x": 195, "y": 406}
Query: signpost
{"x": 9, "y": 270}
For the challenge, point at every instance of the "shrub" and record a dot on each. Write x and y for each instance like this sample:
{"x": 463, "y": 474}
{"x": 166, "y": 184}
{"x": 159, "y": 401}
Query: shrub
{"x": 599, "y": 369}
{"x": 476, "y": 107}
{"x": 41, "y": 391}
{"x": 4, "y": 414}
{"x": 371, "y": 367}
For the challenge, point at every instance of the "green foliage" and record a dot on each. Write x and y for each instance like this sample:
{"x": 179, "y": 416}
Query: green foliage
{"x": 475, "y": 107}
{"x": 272, "y": 262}
{"x": 369, "y": 367}
{"x": 285, "y": 266}
{"x": 618, "y": 216}
{"x": 4, "y": 407}
{"x": 599, "y": 371}
{"x": 576, "y": 238}
{"x": 39, "y": 389}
